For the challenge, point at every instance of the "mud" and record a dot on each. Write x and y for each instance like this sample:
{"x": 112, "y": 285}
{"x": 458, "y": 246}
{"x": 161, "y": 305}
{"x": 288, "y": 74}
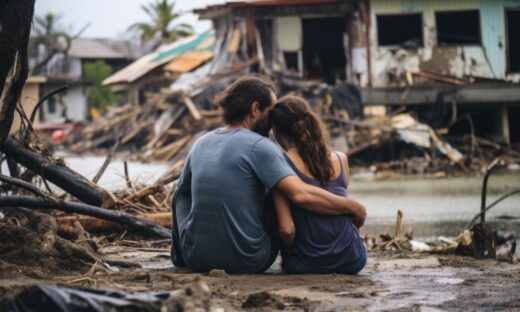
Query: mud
{"x": 34, "y": 246}
{"x": 391, "y": 281}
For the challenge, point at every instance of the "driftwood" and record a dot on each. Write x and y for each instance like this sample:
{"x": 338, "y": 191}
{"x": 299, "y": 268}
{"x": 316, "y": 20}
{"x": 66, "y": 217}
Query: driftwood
{"x": 396, "y": 240}
{"x": 62, "y": 176}
{"x": 32, "y": 202}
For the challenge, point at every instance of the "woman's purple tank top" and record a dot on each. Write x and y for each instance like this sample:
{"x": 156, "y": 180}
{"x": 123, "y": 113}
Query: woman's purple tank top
{"x": 326, "y": 242}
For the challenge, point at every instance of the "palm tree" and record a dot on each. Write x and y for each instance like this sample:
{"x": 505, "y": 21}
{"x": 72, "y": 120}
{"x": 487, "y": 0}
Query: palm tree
{"x": 160, "y": 30}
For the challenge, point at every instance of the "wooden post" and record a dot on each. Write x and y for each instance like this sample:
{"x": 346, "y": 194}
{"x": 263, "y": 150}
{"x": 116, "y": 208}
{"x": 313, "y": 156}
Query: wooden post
{"x": 504, "y": 113}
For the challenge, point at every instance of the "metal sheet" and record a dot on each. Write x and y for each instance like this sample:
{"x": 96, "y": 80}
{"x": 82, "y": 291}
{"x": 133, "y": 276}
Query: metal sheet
{"x": 188, "y": 61}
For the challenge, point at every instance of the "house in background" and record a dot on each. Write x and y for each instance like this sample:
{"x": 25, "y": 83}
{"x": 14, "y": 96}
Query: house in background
{"x": 308, "y": 39}
{"x": 446, "y": 60}
{"x": 72, "y": 105}
{"x": 163, "y": 66}
{"x": 416, "y": 44}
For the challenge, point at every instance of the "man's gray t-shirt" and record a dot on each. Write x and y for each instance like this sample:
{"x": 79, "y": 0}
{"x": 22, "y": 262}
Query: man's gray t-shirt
{"x": 226, "y": 176}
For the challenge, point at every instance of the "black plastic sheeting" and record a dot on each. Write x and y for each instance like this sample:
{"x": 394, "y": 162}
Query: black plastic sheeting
{"x": 52, "y": 298}
{"x": 347, "y": 97}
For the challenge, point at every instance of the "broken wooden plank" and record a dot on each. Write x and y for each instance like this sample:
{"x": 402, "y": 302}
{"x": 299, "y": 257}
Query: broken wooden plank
{"x": 95, "y": 225}
{"x": 192, "y": 108}
{"x": 85, "y": 209}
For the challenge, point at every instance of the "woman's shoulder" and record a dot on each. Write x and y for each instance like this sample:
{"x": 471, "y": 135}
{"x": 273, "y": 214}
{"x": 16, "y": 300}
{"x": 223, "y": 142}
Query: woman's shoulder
{"x": 339, "y": 161}
{"x": 334, "y": 155}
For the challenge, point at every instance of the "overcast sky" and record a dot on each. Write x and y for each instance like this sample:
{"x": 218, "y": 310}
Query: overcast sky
{"x": 111, "y": 18}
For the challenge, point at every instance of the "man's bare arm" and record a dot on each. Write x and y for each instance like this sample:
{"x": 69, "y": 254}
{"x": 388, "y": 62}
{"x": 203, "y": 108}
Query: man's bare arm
{"x": 286, "y": 227}
{"x": 319, "y": 200}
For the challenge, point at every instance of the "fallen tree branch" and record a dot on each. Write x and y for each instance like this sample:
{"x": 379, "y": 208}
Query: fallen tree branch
{"x": 45, "y": 98}
{"x": 107, "y": 161}
{"x": 470, "y": 223}
{"x": 62, "y": 176}
{"x": 22, "y": 184}
{"x": 89, "y": 210}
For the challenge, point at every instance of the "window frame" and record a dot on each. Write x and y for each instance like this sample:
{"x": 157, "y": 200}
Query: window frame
{"x": 508, "y": 70}
{"x": 448, "y": 45}
{"x": 421, "y": 14}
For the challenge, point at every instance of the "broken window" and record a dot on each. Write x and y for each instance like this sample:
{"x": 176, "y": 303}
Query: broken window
{"x": 458, "y": 27}
{"x": 513, "y": 40}
{"x": 400, "y": 30}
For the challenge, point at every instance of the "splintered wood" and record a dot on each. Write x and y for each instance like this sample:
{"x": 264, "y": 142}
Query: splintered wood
{"x": 157, "y": 130}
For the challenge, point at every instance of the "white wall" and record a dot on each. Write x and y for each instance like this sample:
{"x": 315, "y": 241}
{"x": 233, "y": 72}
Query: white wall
{"x": 74, "y": 100}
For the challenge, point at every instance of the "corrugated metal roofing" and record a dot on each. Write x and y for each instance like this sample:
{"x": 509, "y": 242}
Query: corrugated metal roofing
{"x": 192, "y": 45}
{"x": 188, "y": 61}
{"x": 163, "y": 55}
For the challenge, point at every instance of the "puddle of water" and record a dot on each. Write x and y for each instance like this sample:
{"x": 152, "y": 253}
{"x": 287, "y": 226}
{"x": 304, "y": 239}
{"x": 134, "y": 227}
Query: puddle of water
{"x": 406, "y": 288}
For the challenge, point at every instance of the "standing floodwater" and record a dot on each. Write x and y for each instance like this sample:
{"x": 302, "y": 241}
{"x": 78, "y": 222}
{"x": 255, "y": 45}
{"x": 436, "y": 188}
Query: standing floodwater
{"x": 436, "y": 207}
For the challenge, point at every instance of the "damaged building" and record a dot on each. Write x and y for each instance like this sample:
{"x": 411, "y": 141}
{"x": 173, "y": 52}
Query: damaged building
{"x": 454, "y": 64}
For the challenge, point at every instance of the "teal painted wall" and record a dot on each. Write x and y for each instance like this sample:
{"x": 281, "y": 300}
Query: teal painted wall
{"x": 493, "y": 23}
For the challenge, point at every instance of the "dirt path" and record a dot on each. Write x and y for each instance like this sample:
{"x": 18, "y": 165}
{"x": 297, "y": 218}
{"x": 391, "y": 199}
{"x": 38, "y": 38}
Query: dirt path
{"x": 406, "y": 281}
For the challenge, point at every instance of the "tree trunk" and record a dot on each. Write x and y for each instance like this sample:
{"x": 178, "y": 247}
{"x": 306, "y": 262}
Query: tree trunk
{"x": 15, "y": 27}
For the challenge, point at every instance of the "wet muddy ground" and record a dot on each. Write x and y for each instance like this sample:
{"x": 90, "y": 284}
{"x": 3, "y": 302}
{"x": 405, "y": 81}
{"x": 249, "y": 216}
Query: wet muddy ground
{"x": 391, "y": 281}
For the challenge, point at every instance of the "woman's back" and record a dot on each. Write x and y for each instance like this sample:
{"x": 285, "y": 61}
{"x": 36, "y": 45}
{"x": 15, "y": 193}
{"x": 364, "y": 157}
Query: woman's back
{"x": 325, "y": 242}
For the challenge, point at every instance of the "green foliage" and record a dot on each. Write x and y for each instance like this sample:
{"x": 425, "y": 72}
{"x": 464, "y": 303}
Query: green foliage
{"x": 99, "y": 96}
{"x": 160, "y": 29}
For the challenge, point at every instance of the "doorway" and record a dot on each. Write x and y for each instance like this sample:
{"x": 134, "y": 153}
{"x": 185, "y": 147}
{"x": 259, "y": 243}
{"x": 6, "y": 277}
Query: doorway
{"x": 323, "y": 49}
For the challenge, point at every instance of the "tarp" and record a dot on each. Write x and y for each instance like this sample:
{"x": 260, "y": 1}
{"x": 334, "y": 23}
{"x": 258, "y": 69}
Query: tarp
{"x": 52, "y": 298}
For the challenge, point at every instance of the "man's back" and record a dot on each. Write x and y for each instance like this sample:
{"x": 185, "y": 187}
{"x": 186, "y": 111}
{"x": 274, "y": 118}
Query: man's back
{"x": 228, "y": 172}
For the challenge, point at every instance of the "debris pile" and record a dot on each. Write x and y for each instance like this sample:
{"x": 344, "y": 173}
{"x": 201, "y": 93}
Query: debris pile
{"x": 157, "y": 130}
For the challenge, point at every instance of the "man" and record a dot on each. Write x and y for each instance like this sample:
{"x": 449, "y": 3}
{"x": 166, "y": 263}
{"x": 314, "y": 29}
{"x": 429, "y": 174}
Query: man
{"x": 219, "y": 220}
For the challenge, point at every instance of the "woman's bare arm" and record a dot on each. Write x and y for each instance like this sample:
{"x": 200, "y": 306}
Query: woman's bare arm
{"x": 285, "y": 220}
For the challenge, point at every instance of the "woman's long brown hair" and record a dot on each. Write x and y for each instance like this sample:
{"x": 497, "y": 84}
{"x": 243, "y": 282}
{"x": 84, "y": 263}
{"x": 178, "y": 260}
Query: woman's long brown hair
{"x": 293, "y": 120}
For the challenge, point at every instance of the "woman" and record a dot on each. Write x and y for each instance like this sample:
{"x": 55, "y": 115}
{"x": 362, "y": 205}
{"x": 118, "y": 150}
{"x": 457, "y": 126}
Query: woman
{"x": 313, "y": 243}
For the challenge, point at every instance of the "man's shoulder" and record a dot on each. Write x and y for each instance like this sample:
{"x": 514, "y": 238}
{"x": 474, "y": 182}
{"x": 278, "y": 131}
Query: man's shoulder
{"x": 239, "y": 139}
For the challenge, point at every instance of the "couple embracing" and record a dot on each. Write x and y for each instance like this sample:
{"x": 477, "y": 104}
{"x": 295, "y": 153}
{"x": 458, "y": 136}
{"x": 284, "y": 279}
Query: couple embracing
{"x": 242, "y": 199}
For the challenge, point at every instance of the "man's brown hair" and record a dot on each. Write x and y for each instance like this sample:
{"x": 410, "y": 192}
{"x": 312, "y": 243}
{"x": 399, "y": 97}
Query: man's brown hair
{"x": 236, "y": 99}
